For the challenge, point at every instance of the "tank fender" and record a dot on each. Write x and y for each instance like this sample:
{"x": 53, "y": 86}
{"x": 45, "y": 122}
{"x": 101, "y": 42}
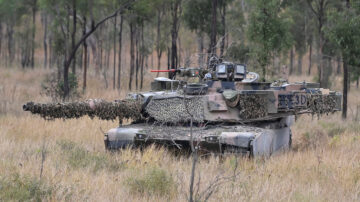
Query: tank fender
{"x": 239, "y": 139}
{"x": 270, "y": 141}
{"x": 288, "y": 121}
{"x": 117, "y": 138}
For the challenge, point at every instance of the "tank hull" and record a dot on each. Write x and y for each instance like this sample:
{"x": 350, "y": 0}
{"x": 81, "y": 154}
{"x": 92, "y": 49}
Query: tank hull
{"x": 264, "y": 139}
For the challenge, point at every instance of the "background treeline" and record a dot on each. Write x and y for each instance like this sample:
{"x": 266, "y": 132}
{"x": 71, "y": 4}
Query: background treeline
{"x": 122, "y": 38}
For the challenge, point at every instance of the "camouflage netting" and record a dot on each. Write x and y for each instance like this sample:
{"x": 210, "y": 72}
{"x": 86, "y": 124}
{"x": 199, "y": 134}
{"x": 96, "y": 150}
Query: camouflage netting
{"x": 172, "y": 109}
{"x": 321, "y": 104}
{"x": 104, "y": 110}
{"x": 252, "y": 106}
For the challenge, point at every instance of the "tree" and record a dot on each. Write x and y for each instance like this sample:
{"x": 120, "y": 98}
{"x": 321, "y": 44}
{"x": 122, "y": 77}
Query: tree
{"x": 119, "y": 55}
{"x": 320, "y": 9}
{"x": 213, "y": 33}
{"x": 62, "y": 10}
{"x": 345, "y": 33}
{"x": 268, "y": 31}
{"x": 197, "y": 17}
{"x": 175, "y": 10}
{"x": 299, "y": 31}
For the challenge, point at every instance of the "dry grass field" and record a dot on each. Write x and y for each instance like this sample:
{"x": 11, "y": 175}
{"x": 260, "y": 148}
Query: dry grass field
{"x": 66, "y": 160}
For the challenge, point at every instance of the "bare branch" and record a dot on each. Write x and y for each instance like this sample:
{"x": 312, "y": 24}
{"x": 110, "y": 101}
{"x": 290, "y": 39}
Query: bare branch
{"x": 93, "y": 28}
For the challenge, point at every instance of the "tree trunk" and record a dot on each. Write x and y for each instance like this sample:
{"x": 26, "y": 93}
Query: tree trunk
{"x": 45, "y": 24}
{"x": 200, "y": 39}
{"x": 168, "y": 58}
{"x": 291, "y": 61}
{"x": 179, "y": 51}
{"x": 349, "y": 80}
{"x": 345, "y": 90}
{"x": 132, "y": 54}
{"x": 320, "y": 49}
{"x": 137, "y": 33}
{"x": 10, "y": 42}
{"x": 85, "y": 57}
{"x": 299, "y": 69}
{"x": 1, "y": 38}
{"x": 51, "y": 55}
{"x": 66, "y": 55}
{"x": 310, "y": 58}
{"x": 212, "y": 48}
{"x": 114, "y": 63}
{"x": 73, "y": 36}
{"x": 174, "y": 35}
{"x": 338, "y": 69}
{"x": 223, "y": 21}
{"x": 120, "y": 46}
{"x": 158, "y": 38}
{"x": 142, "y": 57}
{"x": 34, "y": 8}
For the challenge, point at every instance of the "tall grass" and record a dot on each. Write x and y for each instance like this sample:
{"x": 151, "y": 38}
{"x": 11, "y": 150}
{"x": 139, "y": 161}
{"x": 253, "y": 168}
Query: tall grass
{"x": 324, "y": 164}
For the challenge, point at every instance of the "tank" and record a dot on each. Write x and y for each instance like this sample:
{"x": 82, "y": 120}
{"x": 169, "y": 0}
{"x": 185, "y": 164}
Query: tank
{"x": 223, "y": 109}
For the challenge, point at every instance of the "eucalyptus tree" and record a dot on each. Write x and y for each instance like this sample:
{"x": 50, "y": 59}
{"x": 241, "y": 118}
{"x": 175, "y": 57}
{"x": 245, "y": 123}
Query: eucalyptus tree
{"x": 62, "y": 11}
{"x": 320, "y": 10}
{"x": 137, "y": 15}
{"x": 11, "y": 15}
{"x": 197, "y": 17}
{"x": 345, "y": 33}
{"x": 268, "y": 31}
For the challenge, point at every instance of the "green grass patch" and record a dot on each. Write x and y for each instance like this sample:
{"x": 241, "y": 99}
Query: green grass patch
{"x": 78, "y": 157}
{"x": 16, "y": 188}
{"x": 155, "y": 181}
{"x": 333, "y": 129}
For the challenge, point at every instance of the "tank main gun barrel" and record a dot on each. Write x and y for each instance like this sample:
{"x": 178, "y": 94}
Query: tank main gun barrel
{"x": 185, "y": 72}
{"x": 122, "y": 109}
{"x": 161, "y": 70}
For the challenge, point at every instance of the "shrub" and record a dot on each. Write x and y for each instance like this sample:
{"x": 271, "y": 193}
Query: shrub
{"x": 333, "y": 129}
{"x": 16, "y": 188}
{"x": 155, "y": 181}
{"x": 53, "y": 87}
{"x": 78, "y": 157}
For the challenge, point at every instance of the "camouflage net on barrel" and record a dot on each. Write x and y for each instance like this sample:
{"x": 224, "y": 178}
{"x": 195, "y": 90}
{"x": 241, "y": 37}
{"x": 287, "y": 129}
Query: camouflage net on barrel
{"x": 252, "y": 106}
{"x": 321, "y": 104}
{"x": 173, "y": 110}
{"x": 104, "y": 110}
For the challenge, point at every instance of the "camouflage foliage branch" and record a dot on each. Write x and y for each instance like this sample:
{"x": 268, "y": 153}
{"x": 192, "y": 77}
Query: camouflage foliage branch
{"x": 104, "y": 110}
{"x": 321, "y": 104}
{"x": 252, "y": 106}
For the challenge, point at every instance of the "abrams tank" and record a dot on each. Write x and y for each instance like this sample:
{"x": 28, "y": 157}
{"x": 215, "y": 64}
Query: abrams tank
{"x": 222, "y": 109}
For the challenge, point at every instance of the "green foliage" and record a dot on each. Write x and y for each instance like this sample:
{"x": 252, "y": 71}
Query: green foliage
{"x": 301, "y": 26}
{"x": 197, "y": 15}
{"x": 54, "y": 88}
{"x": 155, "y": 181}
{"x": 344, "y": 32}
{"x": 268, "y": 31}
{"x": 78, "y": 157}
{"x": 16, "y": 188}
{"x": 333, "y": 129}
{"x": 238, "y": 53}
